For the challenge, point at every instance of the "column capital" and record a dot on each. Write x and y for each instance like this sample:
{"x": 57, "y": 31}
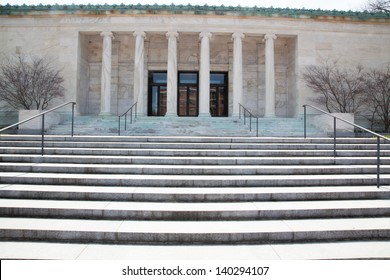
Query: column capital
{"x": 171, "y": 34}
{"x": 107, "y": 34}
{"x": 270, "y": 36}
{"x": 238, "y": 35}
{"x": 205, "y": 34}
{"x": 139, "y": 33}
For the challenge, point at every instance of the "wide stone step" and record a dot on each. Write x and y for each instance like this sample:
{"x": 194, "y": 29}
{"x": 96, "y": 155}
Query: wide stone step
{"x": 186, "y": 139}
{"x": 191, "y": 169}
{"x": 193, "y": 211}
{"x": 221, "y": 232}
{"x": 160, "y": 194}
{"x": 209, "y": 146}
{"x": 193, "y": 160}
{"x": 189, "y": 152}
{"x": 190, "y": 180}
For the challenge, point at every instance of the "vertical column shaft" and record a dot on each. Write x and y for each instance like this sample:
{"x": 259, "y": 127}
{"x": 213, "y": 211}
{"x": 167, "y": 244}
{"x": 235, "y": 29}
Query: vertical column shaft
{"x": 237, "y": 72}
{"x": 204, "y": 75}
{"x": 172, "y": 74}
{"x": 269, "y": 75}
{"x": 139, "y": 71}
{"x": 105, "y": 101}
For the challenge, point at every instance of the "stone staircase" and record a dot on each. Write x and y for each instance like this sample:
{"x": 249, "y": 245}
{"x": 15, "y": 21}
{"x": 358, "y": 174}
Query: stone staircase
{"x": 178, "y": 126}
{"x": 160, "y": 190}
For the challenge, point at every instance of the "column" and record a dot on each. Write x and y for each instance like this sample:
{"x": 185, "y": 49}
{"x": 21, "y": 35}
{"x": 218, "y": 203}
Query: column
{"x": 105, "y": 101}
{"x": 139, "y": 71}
{"x": 269, "y": 75}
{"x": 237, "y": 72}
{"x": 204, "y": 75}
{"x": 172, "y": 74}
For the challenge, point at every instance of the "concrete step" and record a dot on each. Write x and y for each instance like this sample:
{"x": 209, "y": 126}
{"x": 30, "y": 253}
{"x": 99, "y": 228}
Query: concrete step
{"x": 338, "y": 250}
{"x": 191, "y": 160}
{"x": 190, "y": 180}
{"x": 204, "y": 145}
{"x": 160, "y": 169}
{"x": 220, "y": 232}
{"x": 178, "y": 211}
{"x": 212, "y": 194}
{"x": 191, "y": 152}
{"x": 186, "y": 139}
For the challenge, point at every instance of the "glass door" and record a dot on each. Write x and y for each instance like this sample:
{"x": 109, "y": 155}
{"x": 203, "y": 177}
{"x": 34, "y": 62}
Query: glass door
{"x": 188, "y": 99}
{"x": 157, "y": 105}
{"x": 219, "y": 103}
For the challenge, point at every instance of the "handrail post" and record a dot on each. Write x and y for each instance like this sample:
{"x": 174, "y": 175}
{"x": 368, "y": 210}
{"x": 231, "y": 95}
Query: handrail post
{"x": 131, "y": 116}
{"x": 119, "y": 125}
{"x": 257, "y": 126}
{"x": 378, "y": 161}
{"x": 43, "y": 135}
{"x": 250, "y": 122}
{"x": 334, "y": 136}
{"x": 72, "y": 130}
{"x": 304, "y": 121}
{"x": 136, "y": 104}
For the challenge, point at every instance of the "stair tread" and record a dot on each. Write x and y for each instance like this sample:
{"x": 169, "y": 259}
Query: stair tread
{"x": 205, "y": 227}
{"x": 195, "y": 207}
{"x": 189, "y": 190}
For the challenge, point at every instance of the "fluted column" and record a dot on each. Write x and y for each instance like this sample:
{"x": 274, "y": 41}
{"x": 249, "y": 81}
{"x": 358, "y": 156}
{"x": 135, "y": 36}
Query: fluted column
{"x": 237, "y": 72}
{"x": 105, "y": 101}
{"x": 204, "y": 75}
{"x": 139, "y": 71}
{"x": 269, "y": 75}
{"x": 172, "y": 74}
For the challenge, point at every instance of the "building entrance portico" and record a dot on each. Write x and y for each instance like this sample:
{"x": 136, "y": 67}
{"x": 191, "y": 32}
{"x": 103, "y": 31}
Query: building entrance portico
{"x": 206, "y": 74}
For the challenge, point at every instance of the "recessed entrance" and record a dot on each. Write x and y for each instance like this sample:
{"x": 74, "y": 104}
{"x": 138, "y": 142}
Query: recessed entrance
{"x": 188, "y": 97}
{"x": 219, "y": 103}
{"x": 188, "y": 94}
{"x": 157, "y": 94}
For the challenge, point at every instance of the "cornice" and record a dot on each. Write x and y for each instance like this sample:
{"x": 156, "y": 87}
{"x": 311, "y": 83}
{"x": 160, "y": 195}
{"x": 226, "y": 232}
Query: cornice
{"x": 123, "y": 9}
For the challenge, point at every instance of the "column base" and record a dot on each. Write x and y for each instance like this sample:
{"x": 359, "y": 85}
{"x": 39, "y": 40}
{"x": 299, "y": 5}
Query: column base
{"x": 270, "y": 116}
{"x": 171, "y": 115}
{"x": 105, "y": 114}
{"x": 204, "y": 115}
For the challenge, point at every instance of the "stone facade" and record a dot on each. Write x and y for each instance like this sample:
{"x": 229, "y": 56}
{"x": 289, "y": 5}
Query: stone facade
{"x": 107, "y": 53}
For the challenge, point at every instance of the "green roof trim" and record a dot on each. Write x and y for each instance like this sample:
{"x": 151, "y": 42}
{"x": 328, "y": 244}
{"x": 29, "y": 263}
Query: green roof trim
{"x": 186, "y": 9}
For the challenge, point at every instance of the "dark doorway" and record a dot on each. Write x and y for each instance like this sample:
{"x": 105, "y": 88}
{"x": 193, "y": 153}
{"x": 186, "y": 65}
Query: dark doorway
{"x": 219, "y": 103}
{"x": 188, "y": 96}
{"x": 157, "y": 99}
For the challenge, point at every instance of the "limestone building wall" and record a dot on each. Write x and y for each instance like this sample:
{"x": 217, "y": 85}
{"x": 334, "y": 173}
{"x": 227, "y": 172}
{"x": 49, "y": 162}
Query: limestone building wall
{"x": 75, "y": 44}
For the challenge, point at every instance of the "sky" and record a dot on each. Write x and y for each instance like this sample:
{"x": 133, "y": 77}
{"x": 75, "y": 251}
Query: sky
{"x": 341, "y": 5}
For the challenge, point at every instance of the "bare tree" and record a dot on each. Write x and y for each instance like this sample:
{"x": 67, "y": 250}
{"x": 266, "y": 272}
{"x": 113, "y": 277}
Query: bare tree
{"x": 378, "y": 96}
{"x": 378, "y": 6}
{"x": 338, "y": 89}
{"x": 29, "y": 82}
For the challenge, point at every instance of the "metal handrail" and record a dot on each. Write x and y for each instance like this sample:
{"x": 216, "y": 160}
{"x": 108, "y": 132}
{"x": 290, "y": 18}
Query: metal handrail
{"x": 43, "y": 122}
{"x": 245, "y": 110}
{"x": 378, "y": 136}
{"x": 125, "y": 115}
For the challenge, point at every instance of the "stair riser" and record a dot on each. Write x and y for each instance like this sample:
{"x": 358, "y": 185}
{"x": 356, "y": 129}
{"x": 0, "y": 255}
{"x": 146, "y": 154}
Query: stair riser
{"x": 193, "y": 171}
{"x": 194, "y": 160}
{"x": 206, "y": 153}
{"x": 180, "y": 239}
{"x": 161, "y": 197}
{"x": 191, "y": 183}
{"x": 192, "y": 215}
{"x": 178, "y": 146}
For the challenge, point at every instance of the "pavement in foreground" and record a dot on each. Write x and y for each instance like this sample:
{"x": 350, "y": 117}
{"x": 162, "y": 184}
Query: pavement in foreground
{"x": 65, "y": 251}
